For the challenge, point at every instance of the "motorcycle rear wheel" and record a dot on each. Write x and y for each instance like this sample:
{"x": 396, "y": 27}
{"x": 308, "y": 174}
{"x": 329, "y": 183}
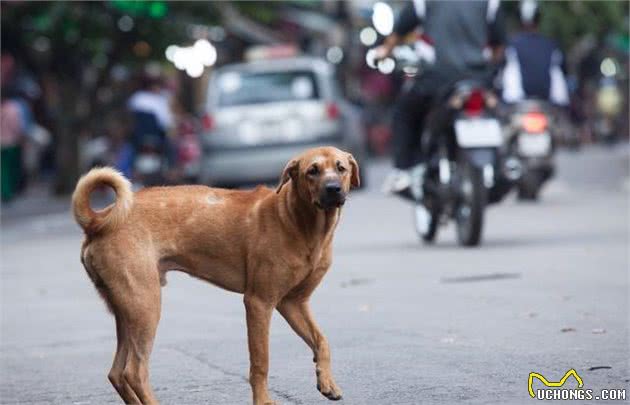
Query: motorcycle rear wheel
{"x": 471, "y": 204}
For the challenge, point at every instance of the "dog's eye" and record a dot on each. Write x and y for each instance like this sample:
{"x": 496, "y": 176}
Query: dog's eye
{"x": 313, "y": 171}
{"x": 340, "y": 168}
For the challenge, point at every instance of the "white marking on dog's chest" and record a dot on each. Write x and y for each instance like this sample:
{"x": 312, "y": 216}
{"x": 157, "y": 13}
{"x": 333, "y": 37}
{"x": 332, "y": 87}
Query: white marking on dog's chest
{"x": 213, "y": 199}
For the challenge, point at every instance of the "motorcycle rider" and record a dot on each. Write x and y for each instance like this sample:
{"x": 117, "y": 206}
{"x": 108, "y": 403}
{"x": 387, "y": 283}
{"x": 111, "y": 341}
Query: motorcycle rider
{"x": 150, "y": 106}
{"x": 466, "y": 36}
{"x": 533, "y": 63}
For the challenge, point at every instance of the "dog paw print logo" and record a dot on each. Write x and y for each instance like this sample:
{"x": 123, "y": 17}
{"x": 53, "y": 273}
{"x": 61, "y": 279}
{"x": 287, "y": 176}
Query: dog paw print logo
{"x": 570, "y": 373}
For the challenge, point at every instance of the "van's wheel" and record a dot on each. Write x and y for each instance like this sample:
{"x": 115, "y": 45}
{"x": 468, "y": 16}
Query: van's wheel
{"x": 426, "y": 222}
{"x": 470, "y": 207}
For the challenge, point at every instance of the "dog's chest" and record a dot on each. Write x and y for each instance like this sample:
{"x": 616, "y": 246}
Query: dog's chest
{"x": 313, "y": 262}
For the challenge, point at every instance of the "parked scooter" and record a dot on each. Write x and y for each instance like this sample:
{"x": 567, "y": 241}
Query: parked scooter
{"x": 531, "y": 142}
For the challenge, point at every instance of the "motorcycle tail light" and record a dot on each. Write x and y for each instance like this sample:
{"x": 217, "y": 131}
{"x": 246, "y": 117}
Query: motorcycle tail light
{"x": 332, "y": 111}
{"x": 534, "y": 122}
{"x": 475, "y": 103}
{"x": 207, "y": 122}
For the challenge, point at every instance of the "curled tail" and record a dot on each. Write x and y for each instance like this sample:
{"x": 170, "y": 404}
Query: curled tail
{"x": 111, "y": 216}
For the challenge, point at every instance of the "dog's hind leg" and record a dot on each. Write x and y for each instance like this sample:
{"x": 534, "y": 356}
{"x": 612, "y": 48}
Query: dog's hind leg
{"x": 116, "y": 373}
{"x": 142, "y": 315}
{"x": 134, "y": 295}
{"x": 114, "y": 304}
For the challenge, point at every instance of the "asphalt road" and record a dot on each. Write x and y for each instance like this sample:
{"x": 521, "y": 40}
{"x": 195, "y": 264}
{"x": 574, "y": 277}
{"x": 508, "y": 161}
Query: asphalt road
{"x": 408, "y": 324}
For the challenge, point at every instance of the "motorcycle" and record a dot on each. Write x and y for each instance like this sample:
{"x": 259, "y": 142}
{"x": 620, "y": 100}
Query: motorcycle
{"x": 149, "y": 165}
{"x": 609, "y": 108}
{"x": 150, "y": 143}
{"x": 467, "y": 168}
{"x": 531, "y": 141}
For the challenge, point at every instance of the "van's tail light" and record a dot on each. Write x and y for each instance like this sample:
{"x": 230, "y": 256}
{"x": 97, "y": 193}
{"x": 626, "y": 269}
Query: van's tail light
{"x": 207, "y": 121}
{"x": 332, "y": 111}
{"x": 534, "y": 122}
{"x": 475, "y": 103}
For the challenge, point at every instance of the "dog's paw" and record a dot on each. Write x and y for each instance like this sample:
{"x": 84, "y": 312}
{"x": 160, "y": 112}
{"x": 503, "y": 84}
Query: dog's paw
{"x": 266, "y": 402}
{"x": 326, "y": 385}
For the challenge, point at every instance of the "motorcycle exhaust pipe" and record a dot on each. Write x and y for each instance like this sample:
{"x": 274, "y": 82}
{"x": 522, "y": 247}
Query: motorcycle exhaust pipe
{"x": 488, "y": 176}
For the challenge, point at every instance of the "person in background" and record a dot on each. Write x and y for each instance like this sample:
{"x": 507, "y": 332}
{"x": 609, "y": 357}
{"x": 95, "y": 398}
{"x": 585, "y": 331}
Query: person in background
{"x": 11, "y": 139}
{"x": 112, "y": 147}
{"x": 16, "y": 119}
{"x": 150, "y": 107}
{"x": 119, "y": 150}
{"x": 533, "y": 63}
{"x": 467, "y": 37}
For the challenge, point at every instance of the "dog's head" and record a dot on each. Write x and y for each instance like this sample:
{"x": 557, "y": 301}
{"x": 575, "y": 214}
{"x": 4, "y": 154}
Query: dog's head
{"x": 322, "y": 176}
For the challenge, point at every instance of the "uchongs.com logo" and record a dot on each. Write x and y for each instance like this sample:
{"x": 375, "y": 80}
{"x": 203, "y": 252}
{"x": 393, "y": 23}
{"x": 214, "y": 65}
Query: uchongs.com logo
{"x": 556, "y": 390}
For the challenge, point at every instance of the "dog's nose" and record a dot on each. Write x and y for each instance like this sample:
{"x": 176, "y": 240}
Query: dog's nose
{"x": 333, "y": 188}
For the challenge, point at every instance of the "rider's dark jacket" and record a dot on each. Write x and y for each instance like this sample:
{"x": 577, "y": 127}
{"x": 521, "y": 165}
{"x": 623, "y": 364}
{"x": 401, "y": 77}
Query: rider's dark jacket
{"x": 534, "y": 69}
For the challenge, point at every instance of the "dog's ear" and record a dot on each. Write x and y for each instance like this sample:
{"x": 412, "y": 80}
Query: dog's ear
{"x": 355, "y": 179}
{"x": 289, "y": 173}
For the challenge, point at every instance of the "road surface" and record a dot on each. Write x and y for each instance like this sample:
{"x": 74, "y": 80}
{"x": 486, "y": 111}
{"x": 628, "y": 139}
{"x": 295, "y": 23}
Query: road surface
{"x": 408, "y": 324}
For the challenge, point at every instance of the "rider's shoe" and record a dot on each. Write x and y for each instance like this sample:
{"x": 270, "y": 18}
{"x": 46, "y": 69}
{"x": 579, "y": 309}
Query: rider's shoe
{"x": 406, "y": 183}
{"x": 397, "y": 181}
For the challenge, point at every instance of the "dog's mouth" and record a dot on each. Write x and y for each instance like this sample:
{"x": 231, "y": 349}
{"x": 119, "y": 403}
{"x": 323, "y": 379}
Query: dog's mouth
{"x": 328, "y": 205}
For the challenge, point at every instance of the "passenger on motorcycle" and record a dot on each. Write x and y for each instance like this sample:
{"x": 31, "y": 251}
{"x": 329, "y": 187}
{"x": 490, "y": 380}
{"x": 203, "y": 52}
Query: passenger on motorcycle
{"x": 467, "y": 36}
{"x": 533, "y": 63}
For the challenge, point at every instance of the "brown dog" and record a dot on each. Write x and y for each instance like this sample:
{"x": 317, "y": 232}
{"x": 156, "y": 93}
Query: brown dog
{"x": 273, "y": 247}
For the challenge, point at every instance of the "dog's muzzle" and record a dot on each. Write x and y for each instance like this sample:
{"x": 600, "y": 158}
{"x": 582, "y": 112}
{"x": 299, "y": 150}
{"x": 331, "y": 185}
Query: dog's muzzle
{"x": 331, "y": 196}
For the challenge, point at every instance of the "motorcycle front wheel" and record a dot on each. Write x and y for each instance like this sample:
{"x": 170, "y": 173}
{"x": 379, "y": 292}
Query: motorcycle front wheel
{"x": 426, "y": 222}
{"x": 471, "y": 204}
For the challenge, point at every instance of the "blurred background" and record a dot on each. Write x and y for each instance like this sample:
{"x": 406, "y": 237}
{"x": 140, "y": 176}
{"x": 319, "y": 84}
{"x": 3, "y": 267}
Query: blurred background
{"x": 224, "y": 93}
{"x": 70, "y": 71}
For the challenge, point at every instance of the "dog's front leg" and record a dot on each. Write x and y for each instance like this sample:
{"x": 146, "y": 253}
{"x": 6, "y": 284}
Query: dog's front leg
{"x": 297, "y": 312}
{"x": 258, "y": 320}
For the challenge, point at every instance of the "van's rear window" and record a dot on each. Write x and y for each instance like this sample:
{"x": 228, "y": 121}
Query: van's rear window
{"x": 237, "y": 88}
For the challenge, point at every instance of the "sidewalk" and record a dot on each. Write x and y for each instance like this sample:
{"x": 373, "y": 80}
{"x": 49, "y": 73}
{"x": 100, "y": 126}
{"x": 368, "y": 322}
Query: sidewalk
{"x": 37, "y": 200}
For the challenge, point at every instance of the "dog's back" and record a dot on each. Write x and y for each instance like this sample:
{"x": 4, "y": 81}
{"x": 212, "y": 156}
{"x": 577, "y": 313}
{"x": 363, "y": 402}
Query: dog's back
{"x": 200, "y": 230}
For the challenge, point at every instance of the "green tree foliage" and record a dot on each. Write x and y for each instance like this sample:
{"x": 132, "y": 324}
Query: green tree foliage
{"x": 90, "y": 32}
{"x": 568, "y": 21}
{"x": 72, "y": 46}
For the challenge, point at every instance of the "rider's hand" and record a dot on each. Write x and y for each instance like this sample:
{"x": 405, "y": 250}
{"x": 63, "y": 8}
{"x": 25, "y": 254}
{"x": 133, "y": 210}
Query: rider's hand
{"x": 381, "y": 52}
